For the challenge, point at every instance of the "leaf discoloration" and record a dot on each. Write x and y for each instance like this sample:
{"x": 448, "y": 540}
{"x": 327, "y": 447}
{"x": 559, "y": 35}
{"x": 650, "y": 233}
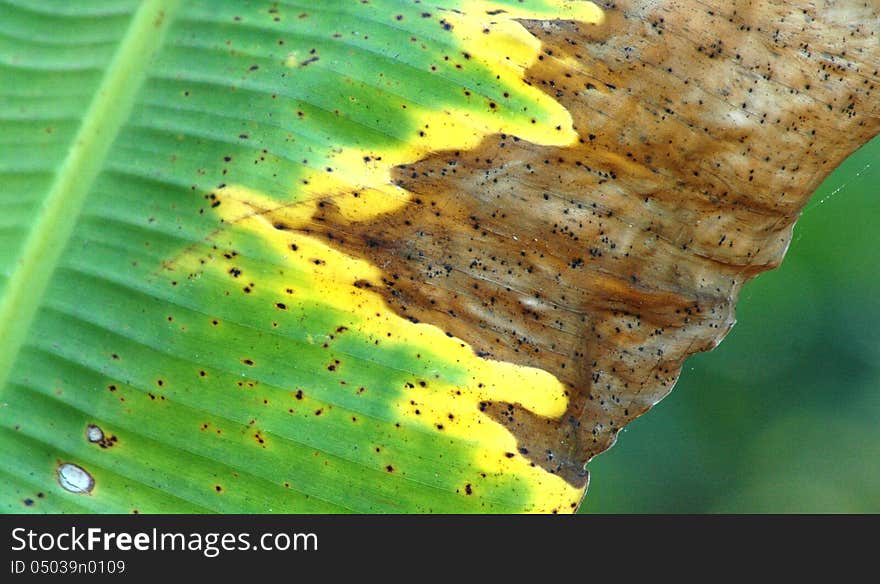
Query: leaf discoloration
{"x": 608, "y": 262}
{"x": 284, "y": 346}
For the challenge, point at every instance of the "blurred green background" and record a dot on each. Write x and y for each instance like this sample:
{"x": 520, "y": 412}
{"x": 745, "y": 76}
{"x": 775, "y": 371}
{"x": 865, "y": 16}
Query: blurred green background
{"x": 784, "y": 416}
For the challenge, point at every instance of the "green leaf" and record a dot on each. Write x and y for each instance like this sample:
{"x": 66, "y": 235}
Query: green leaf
{"x": 386, "y": 256}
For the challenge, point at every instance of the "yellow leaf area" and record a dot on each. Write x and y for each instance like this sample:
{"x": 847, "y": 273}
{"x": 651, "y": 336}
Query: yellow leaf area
{"x": 361, "y": 188}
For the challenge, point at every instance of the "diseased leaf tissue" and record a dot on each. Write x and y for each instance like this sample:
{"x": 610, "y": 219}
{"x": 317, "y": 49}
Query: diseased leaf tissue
{"x": 387, "y": 255}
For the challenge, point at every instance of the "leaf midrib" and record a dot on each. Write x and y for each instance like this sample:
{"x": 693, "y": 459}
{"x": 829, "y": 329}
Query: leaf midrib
{"x": 110, "y": 107}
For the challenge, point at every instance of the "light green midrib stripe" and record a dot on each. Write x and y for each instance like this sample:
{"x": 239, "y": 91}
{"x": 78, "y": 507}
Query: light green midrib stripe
{"x": 108, "y": 111}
